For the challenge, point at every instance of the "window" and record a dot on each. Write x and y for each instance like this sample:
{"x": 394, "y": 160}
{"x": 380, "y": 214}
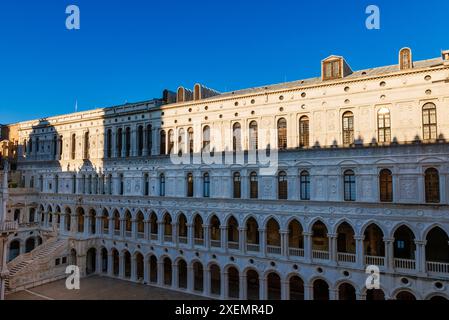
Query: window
{"x": 206, "y": 138}
{"x": 305, "y": 185}
{"x": 189, "y": 185}
{"x": 432, "y": 185}
{"x": 146, "y": 182}
{"x": 162, "y": 185}
{"x": 73, "y": 146}
{"x": 304, "y": 131}
{"x": 237, "y": 185}
{"x": 56, "y": 184}
{"x": 348, "y": 128}
{"x": 181, "y": 144}
{"x": 121, "y": 190}
{"x": 86, "y": 145}
{"x": 349, "y": 185}
{"x": 162, "y": 138}
{"x": 282, "y": 185}
{"x": 253, "y": 186}
{"x": 149, "y": 134}
{"x": 386, "y": 185}
{"x": 128, "y": 142}
{"x": 282, "y": 134}
{"x": 190, "y": 138}
{"x": 236, "y": 137}
{"x": 405, "y": 59}
{"x": 109, "y": 143}
{"x": 206, "y": 185}
{"x": 140, "y": 141}
{"x": 171, "y": 141}
{"x": 37, "y": 145}
{"x": 331, "y": 70}
{"x": 384, "y": 125}
{"x": 55, "y": 145}
{"x": 429, "y": 121}
{"x": 253, "y": 136}
{"x": 119, "y": 142}
{"x": 74, "y": 184}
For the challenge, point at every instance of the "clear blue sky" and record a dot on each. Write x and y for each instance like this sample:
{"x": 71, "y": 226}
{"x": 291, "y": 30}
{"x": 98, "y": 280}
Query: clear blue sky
{"x": 131, "y": 50}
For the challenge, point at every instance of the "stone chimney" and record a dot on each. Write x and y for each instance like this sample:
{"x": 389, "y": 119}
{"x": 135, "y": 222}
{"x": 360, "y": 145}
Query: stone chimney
{"x": 445, "y": 56}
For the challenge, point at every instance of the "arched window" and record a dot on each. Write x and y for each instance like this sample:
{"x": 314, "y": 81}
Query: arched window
{"x": 56, "y": 184}
{"x": 128, "y": 141}
{"x": 206, "y": 139}
{"x": 109, "y": 143}
{"x": 236, "y": 137}
{"x": 432, "y": 185}
{"x": 55, "y": 145}
{"x": 429, "y": 121}
{"x": 146, "y": 184}
{"x": 86, "y": 145}
{"x": 171, "y": 141}
{"x": 305, "y": 185}
{"x": 304, "y": 131}
{"x": 149, "y": 134}
{"x": 162, "y": 140}
{"x": 206, "y": 185}
{"x": 119, "y": 142}
{"x": 190, "y": 139}
{"x": 181, "y": 140}
{"x": 189, "y": 185}
{"x": 73, "y": 146}
{"x": 282, "y": 134}
{"x": 282, "y": 185}
{"x": 386, "y": 185}
{"x": 253, "y": 186}
{"x": 140, "y": 141}
{"x": 349, "y": 186}
{"x": 348, "y": 128}
{"x": 37, "y": 145}
{"x": 383, "y": 125}
{"x": 122, "y": 186}
{"x": 253, "y": 136}
{"x": 237, "y": 185}
{"x": 405, "y": 59}
{"x": 162, "y": 185}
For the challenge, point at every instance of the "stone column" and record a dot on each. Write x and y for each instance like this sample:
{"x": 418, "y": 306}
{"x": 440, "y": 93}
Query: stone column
{"x": 242, "y": 239}
{"x": 145, "y": 142}
{"x": 134, "y": 228}
{"x": 420, "y": 256}
{"x": 332, "y": 248}
{"x": 175, "y": 238}
{"x": 307, "y": 246}
{"x": 308, "y": 292}
{"x": 285, "y": 285}
{"x": 333, "y": 294}
{"x": 263, "y": 242}
{"x": 206, "y": 281}
{"x": 160, "y": 273}
{"x": 359, "y": 254}
{"x": 146, "y": 229}
{"x": 262, "y": 288}
{"x": 190, "y": 278}
{"x": 121, "y": 271}
{"x": 206, "y": 229}
{"x": 160, "y": 231}
{"x": 175, "y": 276}
{"x": 243, "y": 294}
{"x": 134, "y": 144}
{"x": 122, "y": 227}
{"x": 389, "y": 254}
{"x": 224, "y": 237}
{"x": 190, "y": 236}
{"x": 133, "y": 268}
{"x": 284, "y": 242}
{"x": 146, "y": 271}
{"x": 224, "y": 286}
{"x": 110, "y": 264}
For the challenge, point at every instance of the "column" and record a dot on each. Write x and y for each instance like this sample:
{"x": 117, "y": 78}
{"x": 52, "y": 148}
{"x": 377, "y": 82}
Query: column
{"x": 308, "y": 292}
{"x": 389, "y": 254}
{"x": 262, "y": 241}
{"x": 332, "y": 248}
{"x": 146, "y": 229}
{"x": 242, "y": 287}
{"x": 206, "y": 229}
{"x": 111, "y": 226}
{"x": 145, "y": 141}
{"x": 307, "y": 246}
{"x": 262, "y": 288}
{"x": 122, "y": 227}
{"x": 110, "y": 264}
{"x": 123, "y": 151}
{"x": 190, "y": 236}
{"x": 160, "y": 273}
{"x": 333, "y": 294}
{"x": 285, "y": 290}
{"x": 224, "y": 237}
{"x": 190, "y": 278}
{"x": 133, "y": 268}
{"x": 134, "y": 228}
{"x": 242, "y": 239}
{"x": 146, "y": 270}
{"x": 160, "y": 231}
{"x": 175, "y": 275}
{"x": 206, "y": 281}
{"x": 359, "y": 251}
{"x": 420, "y": 257}
{"x": 224, "y": 286}
{"x": 284, "y": 242}
{"x": 134, "y": 145}
{"x": 121, "y": 271}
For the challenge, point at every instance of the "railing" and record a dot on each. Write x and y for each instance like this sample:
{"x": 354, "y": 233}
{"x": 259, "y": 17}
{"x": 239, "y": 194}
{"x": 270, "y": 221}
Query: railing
{"x": 140, "y": 235}
{"x": 346, "y": 257}
{"x": 128, "y": 234}
{"x": 153, "y": 236}
{"x": 320, "y": 254}
{"x": 117, "y": 232}
{"x": 105, "y": 231}
{"x": 215, "y": 243}
{"x": 273, "y": 249}
{"x": 254, "y": 247}
{"x": 233, "y": 245}
{"x": 168, "y": 238}
{"x": 296, "y": 252}
{"x": 407, "y": 264}
{"x": 199, "y": 241}
{"x": 375, "y": 260}
{"x": 437, "y": 267}
{"x": 9, "y": 226}
{"x": 28, "y": 224}
{"x": 182, "y": 239}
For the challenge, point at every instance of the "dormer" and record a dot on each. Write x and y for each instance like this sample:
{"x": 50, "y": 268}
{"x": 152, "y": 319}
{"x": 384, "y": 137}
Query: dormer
{"x": 445, "y": 56}
{"x": 184, "y": 95}
{"x": 202, "y": 92}
{"x": 334, "y": 67}
{"x": 405, "y": 59}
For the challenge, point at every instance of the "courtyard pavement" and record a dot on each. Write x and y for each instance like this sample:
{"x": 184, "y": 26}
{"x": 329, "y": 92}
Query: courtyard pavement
{"x": 100, "y": 288}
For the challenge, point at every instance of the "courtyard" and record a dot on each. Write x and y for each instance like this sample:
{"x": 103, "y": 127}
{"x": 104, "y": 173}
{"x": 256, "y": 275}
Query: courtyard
{"x": 100, "y": 288}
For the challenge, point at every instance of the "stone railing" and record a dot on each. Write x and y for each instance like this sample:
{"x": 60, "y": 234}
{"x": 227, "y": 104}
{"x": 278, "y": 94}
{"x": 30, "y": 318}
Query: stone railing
{"x": 9, "y": 226}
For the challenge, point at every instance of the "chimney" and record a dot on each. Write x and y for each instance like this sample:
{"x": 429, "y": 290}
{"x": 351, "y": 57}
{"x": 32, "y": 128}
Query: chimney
{"x": 445, "y": 56}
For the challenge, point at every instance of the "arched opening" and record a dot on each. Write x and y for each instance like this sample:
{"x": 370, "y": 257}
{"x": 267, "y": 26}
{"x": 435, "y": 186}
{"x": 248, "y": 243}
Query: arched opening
{"x": 320, "y": 242}
{"x": 304, "y": 131}
{"x": 171, "y": 142}
{"x": 345, "y": 243}
{"x": 189, "y": 184}
{"x": 437, "y": 248}
{"x": 375, "y": 295}
{"x": 282, "y": 134}
{"x": 140, "y": 225}
{"x": 128, "y": 142}
{"x": 168, "y": 234}
{"x": 438, "y": 298}
{"x": 80, "y": 219}
{"x": 115, "y": 262}
{"x": 215, "y": 279}
{"x": 182, "y": 228}
{"x": 206, "y": 139}
{"x": 182, "y": 274}
{"x": 30, "y": 244}
{"x": 405, "y": 295}
{"x": 140, "y": 141}
{"x": 404, "y": 244}
{"x": 14, "y": 249}
{"x": 198, "y": 230}
{"x": 233, "y": 283}
{"x": 162, "y": 137}
{"x": 153, "y": 269}
{"x": 295, "y": 239}
{"x": 92, "y": 221}
{"x": 127, "y": 263}
{"x": 153, "y": 226}
{"x": 273, "y": 237}
{"x": 215, "y": 234}
{"x": 91, "y": 259}
{"x": 348, "y": 128}
{"x": 274, "y": 286}
{"x": 373, "y": 245}
{"x": 233, "y": 233}
{"x": 253, "y": 136}
{"x": 139, "y": 266}
{"x": 236, "y": 137}
{"x": 282, "y": 185}
{"x": 167, "y": 272}
{"x": 198, "y": 275}
{"x": 346, "y": 292}
{"x": 104, "y": 260}
{"x": 252, "y": 235}
{"x": 128, "y": 224}
{"x": 252, "y": 284}
{"x": 116, "y": 223}
{"x": 320, "y": 290}
{"x": 296, "y": 285}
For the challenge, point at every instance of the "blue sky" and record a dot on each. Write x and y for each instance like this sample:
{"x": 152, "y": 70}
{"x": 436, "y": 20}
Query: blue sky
{"x": 131, "y": 50}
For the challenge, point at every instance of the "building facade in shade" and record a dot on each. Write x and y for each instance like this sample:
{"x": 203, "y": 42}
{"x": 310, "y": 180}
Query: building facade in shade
{"x": 288, "y": 191}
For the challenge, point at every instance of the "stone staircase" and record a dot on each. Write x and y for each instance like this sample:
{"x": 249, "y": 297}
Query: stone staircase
{"x": 37, "y": 266}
